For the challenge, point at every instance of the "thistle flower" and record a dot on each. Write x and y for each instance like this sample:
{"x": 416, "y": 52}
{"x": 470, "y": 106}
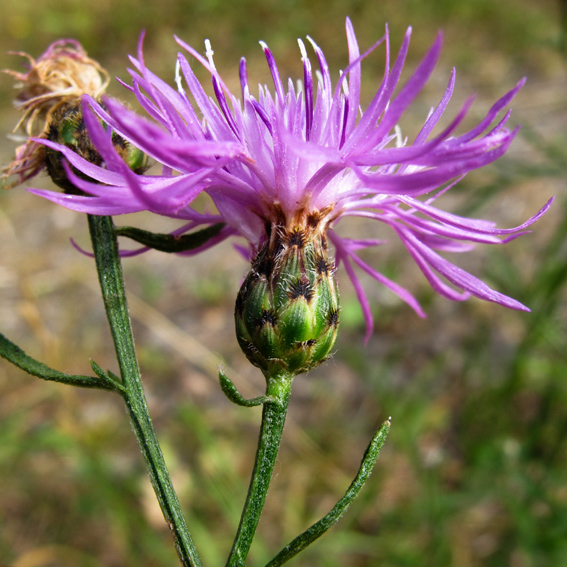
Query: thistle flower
{"x": 57, "y": 78}
{"x": 296, "y": 160}
{"x": 49, "y": 96}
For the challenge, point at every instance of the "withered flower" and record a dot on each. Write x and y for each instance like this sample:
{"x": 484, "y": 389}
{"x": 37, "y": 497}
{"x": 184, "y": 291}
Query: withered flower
{"x": 49, "y": 92}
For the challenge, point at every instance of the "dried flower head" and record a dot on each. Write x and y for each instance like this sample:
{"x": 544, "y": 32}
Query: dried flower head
{"x": 57, "y": 79}
{"x": 303, "y": 155}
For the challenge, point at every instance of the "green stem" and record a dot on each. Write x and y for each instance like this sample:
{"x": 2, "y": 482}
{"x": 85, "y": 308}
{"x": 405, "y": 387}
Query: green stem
{"x": 109, "y": 269}
{"x": 273, "y": 420}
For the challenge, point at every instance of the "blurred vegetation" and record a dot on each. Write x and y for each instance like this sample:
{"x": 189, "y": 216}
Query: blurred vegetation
{"x": 475, "y": 470}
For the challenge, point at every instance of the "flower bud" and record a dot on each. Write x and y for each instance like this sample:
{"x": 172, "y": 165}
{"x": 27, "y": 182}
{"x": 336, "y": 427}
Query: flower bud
{"x": 287, "y": 310}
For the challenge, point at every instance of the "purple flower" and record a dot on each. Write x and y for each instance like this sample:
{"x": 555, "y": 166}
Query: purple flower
{"x": 301, "y": 152}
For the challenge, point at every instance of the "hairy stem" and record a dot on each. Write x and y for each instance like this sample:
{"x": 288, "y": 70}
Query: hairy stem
{"x": 109, "y": 270}
{"x": 273, "y": 420}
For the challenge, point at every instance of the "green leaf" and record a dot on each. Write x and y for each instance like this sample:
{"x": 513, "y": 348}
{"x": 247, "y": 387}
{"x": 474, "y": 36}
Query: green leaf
{"x": 230, "y": 391}
{"x": 320, "y": 527}
{"x": 108, "y": 376}
{"x": 14, "y": 354}
{"x": 167, "y": 242}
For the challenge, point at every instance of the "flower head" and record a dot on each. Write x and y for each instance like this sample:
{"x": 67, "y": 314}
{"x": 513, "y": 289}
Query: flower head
{"x": 298, "y": 158}
{"x": 51, "y": 83}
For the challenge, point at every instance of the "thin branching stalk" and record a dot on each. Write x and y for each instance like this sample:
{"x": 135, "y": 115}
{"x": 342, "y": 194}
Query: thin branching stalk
{"x": 109, "y": 270}
{"x": 273, "y": 420}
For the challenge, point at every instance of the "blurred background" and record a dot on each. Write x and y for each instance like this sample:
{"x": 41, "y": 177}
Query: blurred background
{"x": 474, "y": 472}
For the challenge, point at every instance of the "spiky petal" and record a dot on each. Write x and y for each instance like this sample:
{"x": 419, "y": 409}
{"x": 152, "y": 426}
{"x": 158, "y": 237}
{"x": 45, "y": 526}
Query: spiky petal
{"x": 266, "y": 160}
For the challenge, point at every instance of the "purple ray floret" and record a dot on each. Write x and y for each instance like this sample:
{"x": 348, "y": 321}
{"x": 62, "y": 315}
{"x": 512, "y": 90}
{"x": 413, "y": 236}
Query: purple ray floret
{"x": 302, "y": 148}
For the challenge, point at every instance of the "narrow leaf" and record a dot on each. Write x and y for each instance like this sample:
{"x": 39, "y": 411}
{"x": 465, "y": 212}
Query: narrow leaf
{"x": 108, "y": 377}
{"x": 169, "y": 242}
{"x": 14, "y": 354}
{"x": 320, "y": 527}
{"x": 231, "y": 392}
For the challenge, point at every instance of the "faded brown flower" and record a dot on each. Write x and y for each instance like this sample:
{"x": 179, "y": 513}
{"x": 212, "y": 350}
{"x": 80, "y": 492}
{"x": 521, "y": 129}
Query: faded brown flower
{"x": 56, "y": 79}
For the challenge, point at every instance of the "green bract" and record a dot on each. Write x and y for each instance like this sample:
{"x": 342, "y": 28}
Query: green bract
{"x": 67, "y": 127}
{"x": 287, "y": 310}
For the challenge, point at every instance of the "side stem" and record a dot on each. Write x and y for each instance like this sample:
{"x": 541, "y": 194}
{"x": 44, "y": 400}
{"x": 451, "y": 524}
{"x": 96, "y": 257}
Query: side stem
{"x": 109, "y": 270}
{"x": 273, "y": 420}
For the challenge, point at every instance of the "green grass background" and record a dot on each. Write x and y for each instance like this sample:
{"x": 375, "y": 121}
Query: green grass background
{"x": 474, "y": 472}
